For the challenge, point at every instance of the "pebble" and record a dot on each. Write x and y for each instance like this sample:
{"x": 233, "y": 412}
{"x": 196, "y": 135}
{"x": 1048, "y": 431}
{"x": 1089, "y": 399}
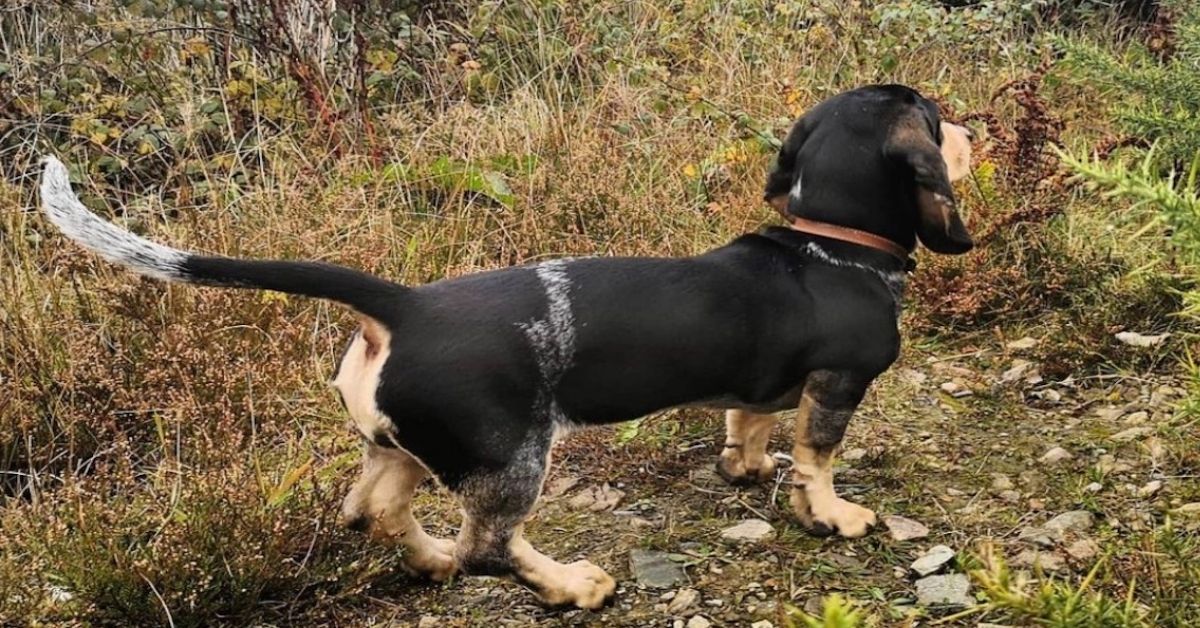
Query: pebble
{"x": 683, "y": 600}
{"x": 948, "y": 590}
{"x": 762, "y": 624}
{"x": 1188, "y": 509}
{"x": 1136, "y": 418}
{"x": 749, "y": 531}
{"x": 1040, "y": 536}
{"x": 429, "y": 621}
{"x": 698, "y": 621}
{"x": 1010, "y": 496}
{"x": 904, "y": 529}
{"x": 1130, "y": 434}
{"x": 955, "y": 389}
{"x": 932, "y": 560}
{"x": 1072, "y": 521}
{"x": 1094, "y": 487}
{"x": 1151, "y": 487}
{"x": 654, "y": 570}
{"x": 854, "y": 454}
{"x": 1083, "y": 550}
{"x": 1023, "y": 344}
{"x": 1047, "y": 561}
{"x": 1001, "y": 482}
{"x": 1055, "y": 455}
{"x": 597, "y": 498}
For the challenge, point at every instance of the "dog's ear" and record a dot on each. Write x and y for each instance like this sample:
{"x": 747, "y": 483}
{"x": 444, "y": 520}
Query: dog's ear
{"x": 783, "y": 173}
{"x": 912, "y": 145}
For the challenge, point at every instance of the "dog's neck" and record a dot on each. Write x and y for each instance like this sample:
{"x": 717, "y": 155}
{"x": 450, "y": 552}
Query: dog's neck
{"x": 891, "y": 271}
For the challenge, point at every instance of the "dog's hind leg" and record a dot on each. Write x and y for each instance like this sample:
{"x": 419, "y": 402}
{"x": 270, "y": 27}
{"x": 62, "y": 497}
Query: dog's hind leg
{"x": 829, "y": 401}
{"x": 381, "y": 504}
{"x": 495, "y": 507}
{"x": 745, "y": 459}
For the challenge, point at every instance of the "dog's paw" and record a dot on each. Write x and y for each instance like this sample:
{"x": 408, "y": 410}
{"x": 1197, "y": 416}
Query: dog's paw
{"x": 732, "y": 467}
{"x": 835, "y": 516}
{"x": 581, "y": 584}
{"x": 433, "y": 558}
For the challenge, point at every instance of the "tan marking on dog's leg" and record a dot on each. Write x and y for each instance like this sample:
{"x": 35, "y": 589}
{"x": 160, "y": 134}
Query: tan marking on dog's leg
{"x": 358, "y": 379}
{"x": 382, "y": 501}
{"x": 813, "y": 498}
{"x": 580, "y": 583}
{"x": 745, "y": 457}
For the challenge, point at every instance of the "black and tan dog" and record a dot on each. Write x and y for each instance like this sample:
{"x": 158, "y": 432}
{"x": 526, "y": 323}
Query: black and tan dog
{"x": 472, "y": 379}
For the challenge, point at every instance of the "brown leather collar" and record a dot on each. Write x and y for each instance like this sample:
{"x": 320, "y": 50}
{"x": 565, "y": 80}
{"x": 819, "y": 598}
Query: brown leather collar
{"x": 846, "y": 234}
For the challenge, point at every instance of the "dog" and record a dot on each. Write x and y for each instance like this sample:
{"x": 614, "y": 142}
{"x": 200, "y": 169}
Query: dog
{"x": 472, "y": 379}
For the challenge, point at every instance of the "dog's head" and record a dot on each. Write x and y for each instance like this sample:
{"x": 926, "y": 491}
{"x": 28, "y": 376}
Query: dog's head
{"x": 877, "y": 159}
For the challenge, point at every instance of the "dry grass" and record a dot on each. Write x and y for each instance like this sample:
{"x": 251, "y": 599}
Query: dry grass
{"x": 172, "y": 454}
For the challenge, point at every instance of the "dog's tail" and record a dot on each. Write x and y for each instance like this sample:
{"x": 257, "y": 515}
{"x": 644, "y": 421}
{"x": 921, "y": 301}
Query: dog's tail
{"x": 366, "y": 294}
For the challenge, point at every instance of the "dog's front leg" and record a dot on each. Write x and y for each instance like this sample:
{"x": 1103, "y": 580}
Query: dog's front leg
{"x": 829, "y": 400}
{"x": 745, "y": 460}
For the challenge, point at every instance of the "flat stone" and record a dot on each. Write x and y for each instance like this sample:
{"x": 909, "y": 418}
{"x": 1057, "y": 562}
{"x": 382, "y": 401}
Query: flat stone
{"x": 904, "y": 529}
{"x": 1047, "y": 561}
{"x": 948, "y": 590}
{"x": 682, "y": 601}
{"x": 762, "y": 624}
{"x": 1010, "y": 496}
{"x": 429, "y": 621}
{"x": 654, "y": 570}
{"x": 1015, "y": 372}
{"x": 597, "y": 498}
{"x": 933, "y": 560}
{"x": 749, "y": 531}
{"x": 1072, "y": 521}
{"x": 698, "y": 621}
{"x": 1150, "y": 488}
{"x": 1133, "y": 433}
{"x": 853, "y": 454}
{"x": 1188, "y": 510}
{"x": 1023, "y": 344}
{"x": 1001, "y": 482}
{"x": 1094, "y": 487}
{"x": 1136, "y": 418}
{"x": 1083, "y": 550}
{"x": 1055, "y": 455}
{"x": 1040, "y": 536}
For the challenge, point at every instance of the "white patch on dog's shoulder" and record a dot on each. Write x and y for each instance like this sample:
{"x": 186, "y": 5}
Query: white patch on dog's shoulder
{"x": 553, "y": 337}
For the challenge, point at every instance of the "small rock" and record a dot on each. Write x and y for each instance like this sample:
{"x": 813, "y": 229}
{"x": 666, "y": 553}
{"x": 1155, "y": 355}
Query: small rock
{"x": 1015, "y": 372}
{"x": 1072, "y": 521}
{"x": 682, "y": 601}
{"x": 948, "y": 590}
{"x": 1047, "y": 561}
{"x": 1011, "y": 497}
{"x": 1083, "y": 550}
{"x": 854, "y": 454}
{"x": 1188, "y": 510}
{"x": 1136, "y": 418}
{"x": 597, "y": 498}
{"x": 933, "y": 560}
{"x": 560, "y": 485}
{"x": 1001, "y": 482}
{"x": 1151, "y": 487}
{"x": 1051, "y": 395}
{"x": 955, "y": 389}
{"x": 749, "y": 531}
{"x": 429, "y": 621}
{"x": 1132, "y": 433}
{"x": 1094, "y": 487}
{"x": 654, "y": 570}
{"x": 762, "y": 624}
{"x": 1040, "y": 536}
{"x": 914, "y": 377}
{"x": 1055, "y": 455}
{"x": 904, "y": 529}
{"x": 698, "y": 621}
{"x": 1023, "y": 344}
